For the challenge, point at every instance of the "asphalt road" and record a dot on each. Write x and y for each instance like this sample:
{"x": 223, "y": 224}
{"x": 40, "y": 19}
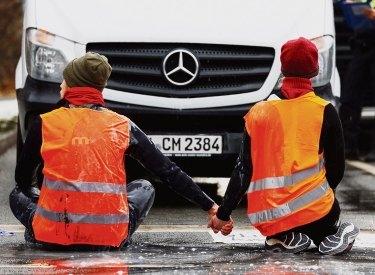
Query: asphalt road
{"x": 174, "y": 239}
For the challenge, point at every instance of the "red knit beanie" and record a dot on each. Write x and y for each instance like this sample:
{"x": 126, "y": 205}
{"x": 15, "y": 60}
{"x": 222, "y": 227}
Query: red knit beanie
{"x": 299, "y": 58}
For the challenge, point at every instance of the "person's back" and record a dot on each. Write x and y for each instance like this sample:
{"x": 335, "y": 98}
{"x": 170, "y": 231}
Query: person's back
{"x": 83, "y": 151}
{"x": 291, "y": 160}
{"x": 285, "y": 136}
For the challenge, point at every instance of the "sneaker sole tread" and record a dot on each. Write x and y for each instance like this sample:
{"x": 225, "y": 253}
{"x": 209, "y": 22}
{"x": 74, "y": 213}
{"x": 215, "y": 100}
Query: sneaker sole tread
{"x": 281, "y": 246}
{"x": 339, "y": 242}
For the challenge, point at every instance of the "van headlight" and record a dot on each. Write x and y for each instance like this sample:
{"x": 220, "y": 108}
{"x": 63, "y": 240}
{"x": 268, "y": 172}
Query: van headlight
{"x": 45, "y": 59}
{"x": 325, "y": 45}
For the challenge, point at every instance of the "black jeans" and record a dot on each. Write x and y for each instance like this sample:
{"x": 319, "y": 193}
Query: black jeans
{"x": 140, "y": 194}
{"x": 360, "y": 73}
{"x": 319, "y": 229}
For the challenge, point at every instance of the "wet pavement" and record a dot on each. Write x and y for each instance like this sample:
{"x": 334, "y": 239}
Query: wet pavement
{"x": 173, "y": 240}
{"x": 190, "y": 258}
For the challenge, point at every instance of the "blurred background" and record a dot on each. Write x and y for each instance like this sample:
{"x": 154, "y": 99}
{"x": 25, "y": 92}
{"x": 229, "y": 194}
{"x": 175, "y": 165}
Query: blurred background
{"x": 10, "y": 43}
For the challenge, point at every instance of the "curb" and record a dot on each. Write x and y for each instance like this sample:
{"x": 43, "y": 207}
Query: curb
{"x": 7, "y": 140}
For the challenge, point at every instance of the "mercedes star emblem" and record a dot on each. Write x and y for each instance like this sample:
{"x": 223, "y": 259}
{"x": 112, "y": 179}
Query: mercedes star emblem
{"x": 180, "y": 67}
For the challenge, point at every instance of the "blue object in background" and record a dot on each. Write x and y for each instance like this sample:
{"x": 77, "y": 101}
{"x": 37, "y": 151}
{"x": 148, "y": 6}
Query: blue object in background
{"x": 353, "y": 12}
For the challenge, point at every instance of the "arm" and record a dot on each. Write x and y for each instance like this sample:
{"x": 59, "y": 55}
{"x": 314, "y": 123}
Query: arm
{"x": 239, "y": 181}
{"x": 144, "y": 150}
{"x": 237, "y": 187}
{"x": 30, "y": 163}
{"x": 332, "y": 142}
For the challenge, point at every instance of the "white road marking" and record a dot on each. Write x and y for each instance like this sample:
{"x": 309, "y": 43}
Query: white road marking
{"x": 241, "y": 234}
{"x": 143, "y": 228}
{"x": 80, "y": 265}
{"x": 252, "y": 236}
{"x": 362, "y": 165}
{"x": 12, "y": 227}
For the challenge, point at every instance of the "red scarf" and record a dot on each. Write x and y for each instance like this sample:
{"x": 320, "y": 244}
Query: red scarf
{"x": 293, "y": 87}
{"x": 84, "y": 95}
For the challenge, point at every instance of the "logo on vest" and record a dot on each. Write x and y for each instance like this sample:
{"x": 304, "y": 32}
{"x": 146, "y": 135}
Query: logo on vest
{"x": 80, "y": 140}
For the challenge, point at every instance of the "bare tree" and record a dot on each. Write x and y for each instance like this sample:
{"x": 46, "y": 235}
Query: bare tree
{"x": 11, "y": 18}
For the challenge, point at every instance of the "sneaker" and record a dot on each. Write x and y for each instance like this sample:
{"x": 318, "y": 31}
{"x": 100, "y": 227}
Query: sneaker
{"x": 290, "y": 243}
{"x": 341, "y": 242}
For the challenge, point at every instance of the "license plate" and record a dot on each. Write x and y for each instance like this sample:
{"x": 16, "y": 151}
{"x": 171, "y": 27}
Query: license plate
{"x": 187, "y": 145}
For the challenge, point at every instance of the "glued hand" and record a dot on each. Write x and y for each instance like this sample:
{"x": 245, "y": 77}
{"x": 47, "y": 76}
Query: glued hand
{"x": 225, "y": 227}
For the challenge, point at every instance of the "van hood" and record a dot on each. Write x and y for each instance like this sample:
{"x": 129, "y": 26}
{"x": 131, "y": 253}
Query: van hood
{"x": 241, "y": 22}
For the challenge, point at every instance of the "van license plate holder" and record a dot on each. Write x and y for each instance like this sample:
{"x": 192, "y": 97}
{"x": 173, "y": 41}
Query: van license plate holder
{"x": 188, "y": 144}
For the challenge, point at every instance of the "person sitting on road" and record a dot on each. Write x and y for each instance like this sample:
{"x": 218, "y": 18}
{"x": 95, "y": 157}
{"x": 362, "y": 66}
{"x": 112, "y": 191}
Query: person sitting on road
{"x": 291, "y": 161}
{"x": 84, "y": 202}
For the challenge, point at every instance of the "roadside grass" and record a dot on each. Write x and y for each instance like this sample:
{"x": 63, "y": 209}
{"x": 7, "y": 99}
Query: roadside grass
{"x": 8, "y": 124}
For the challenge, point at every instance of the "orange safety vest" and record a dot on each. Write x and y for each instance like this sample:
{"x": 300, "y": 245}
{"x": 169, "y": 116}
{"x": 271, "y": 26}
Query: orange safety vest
{"x": 288, "y": 187}
{"x": 83, "y": 198}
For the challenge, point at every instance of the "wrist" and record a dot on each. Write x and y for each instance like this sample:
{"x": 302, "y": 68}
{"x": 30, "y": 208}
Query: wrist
{"x": 213, "y": 209}
{"x": 222, "y": 215}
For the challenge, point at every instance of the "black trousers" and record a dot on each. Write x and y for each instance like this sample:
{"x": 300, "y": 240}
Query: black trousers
{"x": 319, "y": 229}
{"x": 360, "y": 73}
{"x": 140, "y": 194}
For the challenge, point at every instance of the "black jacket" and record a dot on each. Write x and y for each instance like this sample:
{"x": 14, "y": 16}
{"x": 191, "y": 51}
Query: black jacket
{"x": 331, "y": 141}
{"x": 30, "y": 164}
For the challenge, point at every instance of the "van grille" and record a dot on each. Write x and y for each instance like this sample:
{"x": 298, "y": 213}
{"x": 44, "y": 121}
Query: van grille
{"x": 224, "y": 69}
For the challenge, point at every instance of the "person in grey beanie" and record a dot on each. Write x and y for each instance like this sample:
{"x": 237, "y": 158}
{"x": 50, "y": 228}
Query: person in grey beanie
{"x": 71, "y": 191}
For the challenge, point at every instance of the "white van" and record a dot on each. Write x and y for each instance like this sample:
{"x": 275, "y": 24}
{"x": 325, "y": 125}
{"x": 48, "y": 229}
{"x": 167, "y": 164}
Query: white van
{"x": 186, "y": 72}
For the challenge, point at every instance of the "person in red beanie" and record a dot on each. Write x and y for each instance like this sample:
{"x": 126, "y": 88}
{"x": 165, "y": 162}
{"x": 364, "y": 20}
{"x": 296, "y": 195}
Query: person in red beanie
{"x": 291, "y": 161}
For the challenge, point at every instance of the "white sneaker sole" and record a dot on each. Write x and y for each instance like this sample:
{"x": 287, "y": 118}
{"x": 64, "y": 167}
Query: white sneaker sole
{"x": 340, "y": 242}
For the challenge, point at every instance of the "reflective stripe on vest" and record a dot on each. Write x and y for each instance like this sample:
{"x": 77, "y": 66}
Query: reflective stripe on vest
{"x": 291, "y": 206}
{"x": 82, "y": 218}
{"x": 85, "y": 186}
{"x": 278, "y": 182}
{"x": 83, "y": 198}
{"x": 288, "y": 187}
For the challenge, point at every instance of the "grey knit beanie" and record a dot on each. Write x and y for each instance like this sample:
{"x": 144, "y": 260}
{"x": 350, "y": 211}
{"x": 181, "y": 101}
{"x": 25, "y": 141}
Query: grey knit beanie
{"x": 90, "y": 70}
